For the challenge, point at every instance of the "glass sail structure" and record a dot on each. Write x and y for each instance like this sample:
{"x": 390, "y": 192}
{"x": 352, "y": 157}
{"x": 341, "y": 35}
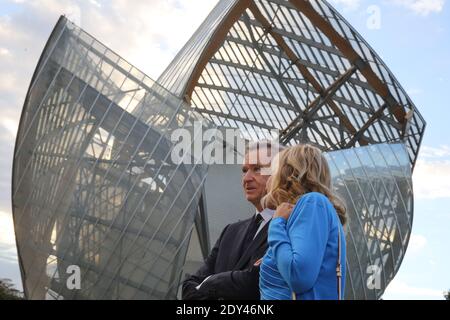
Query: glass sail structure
{"x": 95, "y": 185}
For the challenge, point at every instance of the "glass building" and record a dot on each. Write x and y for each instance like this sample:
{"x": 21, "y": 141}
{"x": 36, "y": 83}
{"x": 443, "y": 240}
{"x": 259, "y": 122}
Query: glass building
{"x": 94, "y": 181}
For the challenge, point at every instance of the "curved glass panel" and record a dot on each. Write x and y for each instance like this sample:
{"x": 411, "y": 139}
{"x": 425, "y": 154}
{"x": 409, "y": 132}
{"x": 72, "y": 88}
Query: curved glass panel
{"x": 375, "y": 183}
{"x": 94, "y": 185}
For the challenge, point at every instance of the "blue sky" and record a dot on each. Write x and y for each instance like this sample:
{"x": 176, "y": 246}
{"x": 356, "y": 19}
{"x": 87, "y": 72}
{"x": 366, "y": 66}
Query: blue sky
{"x": 412, "y": 38}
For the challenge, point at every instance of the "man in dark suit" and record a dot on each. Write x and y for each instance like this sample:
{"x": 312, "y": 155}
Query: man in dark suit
{"x": 231, "y": 270}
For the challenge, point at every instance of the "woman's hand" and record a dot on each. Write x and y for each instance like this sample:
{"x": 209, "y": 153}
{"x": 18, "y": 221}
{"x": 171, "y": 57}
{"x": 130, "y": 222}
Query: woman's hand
{"x": 284, "y": 210}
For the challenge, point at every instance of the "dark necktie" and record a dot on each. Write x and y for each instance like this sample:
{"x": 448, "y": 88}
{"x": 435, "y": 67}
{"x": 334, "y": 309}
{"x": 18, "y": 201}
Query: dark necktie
{"x": 251, "y": 231}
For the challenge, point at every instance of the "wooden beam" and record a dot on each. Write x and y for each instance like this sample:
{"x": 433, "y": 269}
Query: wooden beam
{"x": 375, "y": 116}
{"x": 305, "y": 7}
{"x": 305, "y": 73}
{"x": 214, "y": 44}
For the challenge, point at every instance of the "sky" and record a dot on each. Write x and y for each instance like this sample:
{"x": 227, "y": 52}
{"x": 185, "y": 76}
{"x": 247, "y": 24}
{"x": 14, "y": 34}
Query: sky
{"x": 411, "y": 36}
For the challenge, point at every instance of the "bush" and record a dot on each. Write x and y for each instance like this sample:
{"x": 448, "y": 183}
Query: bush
{"x": 8, "y": 292}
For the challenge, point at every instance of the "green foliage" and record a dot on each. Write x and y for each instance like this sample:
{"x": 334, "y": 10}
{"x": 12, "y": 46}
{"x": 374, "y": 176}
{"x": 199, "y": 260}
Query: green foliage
{"x": 8, "y": 292}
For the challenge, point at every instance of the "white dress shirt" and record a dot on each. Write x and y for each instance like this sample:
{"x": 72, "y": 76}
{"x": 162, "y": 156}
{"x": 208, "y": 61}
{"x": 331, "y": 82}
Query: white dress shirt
{"x": 267, "y": 215}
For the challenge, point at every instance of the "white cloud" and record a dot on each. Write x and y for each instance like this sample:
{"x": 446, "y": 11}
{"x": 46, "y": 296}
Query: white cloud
{"x": 6, "y": 228}
{"x": 422, "y": 7}
{"x": 8, "y": 254}
{"x": 431, "y": 177}
{"x": 416, "y": 244}
{"x": 147, "y": 33}
{"x": 9, "y": 83}
{"x": 5, "y": 52}
{"x": 10, "y": 125}
{"x": 400, "y": 290}
{"x": 433, "y": 152}
{"x": 347, "y": 4}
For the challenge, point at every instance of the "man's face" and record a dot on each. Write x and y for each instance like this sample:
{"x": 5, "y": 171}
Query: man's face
{"x": 255, "y": 174}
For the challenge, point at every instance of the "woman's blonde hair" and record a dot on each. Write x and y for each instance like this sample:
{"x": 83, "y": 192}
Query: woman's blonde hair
{"x": 298, "y": 170}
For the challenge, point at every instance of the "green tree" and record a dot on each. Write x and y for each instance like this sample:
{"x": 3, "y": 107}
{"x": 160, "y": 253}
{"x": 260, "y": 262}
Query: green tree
{"x": 8, "y": 292}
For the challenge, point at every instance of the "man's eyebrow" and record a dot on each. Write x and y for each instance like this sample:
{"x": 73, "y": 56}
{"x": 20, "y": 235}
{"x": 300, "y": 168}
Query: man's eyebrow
{"x": 257, "y": 165}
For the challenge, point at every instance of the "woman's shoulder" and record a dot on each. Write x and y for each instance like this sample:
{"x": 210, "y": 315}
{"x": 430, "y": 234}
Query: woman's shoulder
{"x": 316, "y": 197}
{"x": 313, "y": 202}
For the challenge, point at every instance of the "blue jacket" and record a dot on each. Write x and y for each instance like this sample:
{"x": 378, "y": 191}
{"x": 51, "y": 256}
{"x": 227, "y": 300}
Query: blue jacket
{"x": 302, "y": 253}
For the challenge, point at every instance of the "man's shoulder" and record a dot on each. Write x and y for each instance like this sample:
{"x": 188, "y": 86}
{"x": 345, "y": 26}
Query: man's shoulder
{"x": 238, "y": 224}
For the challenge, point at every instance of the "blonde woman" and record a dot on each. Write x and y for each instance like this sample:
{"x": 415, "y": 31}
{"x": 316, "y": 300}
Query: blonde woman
{"x": 302, "y": 259}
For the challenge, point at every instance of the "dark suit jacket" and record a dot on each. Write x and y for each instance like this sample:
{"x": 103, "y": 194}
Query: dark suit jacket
{"x": 234, "y": 276}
